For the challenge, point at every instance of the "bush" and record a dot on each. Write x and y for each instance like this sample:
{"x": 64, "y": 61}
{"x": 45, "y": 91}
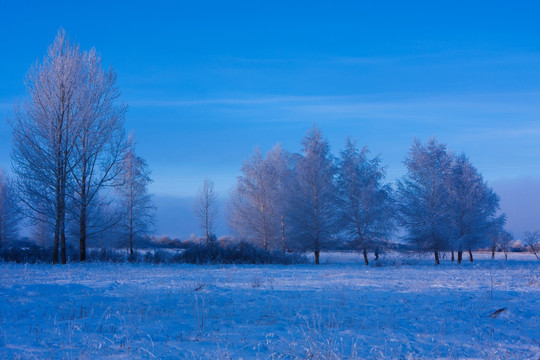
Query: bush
{"x": 29, "y": 253}
{"x": 240, "y": 253}
{"x": 212, "y": 253}
{"x": 107, "y": 255}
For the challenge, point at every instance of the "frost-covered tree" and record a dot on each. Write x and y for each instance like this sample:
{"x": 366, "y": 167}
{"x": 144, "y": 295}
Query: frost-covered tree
{"x": 8, "y": 210}
{"x": 257, "y": 210}
{"x": 281, "y": 169}
{"x": 505, "y": 242}
{"x": 99, "y": 148}
{"x": 313, "y": 211}
{"x": 474, "y": 206}
{"x": 45, "y": 131}
{"x": 135, "y": 201}
{"x": 206, "y": 209}
{"x": 365, "y": 202}
{"x": 532, "y": 242}
{"x": 252, "y": 211}
{"x": 495, "y": 233}
{"x": 423, "y": 195}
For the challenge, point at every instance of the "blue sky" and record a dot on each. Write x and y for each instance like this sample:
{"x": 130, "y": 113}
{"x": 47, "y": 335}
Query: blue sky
{"x": 207, "y": 82}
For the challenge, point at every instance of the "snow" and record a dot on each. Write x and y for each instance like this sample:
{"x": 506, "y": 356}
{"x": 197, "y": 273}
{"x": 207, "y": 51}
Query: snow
{"x": 406, "y": 309}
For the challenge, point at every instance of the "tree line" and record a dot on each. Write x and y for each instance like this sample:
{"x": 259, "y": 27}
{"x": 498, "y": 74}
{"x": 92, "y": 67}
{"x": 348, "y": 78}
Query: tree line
{"x": 313, "y": 201}
{"x": 77, "y": 173}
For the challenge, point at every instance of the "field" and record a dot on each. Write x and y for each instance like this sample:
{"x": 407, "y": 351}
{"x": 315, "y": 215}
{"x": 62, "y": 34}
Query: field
{"x": 405, "y": 308}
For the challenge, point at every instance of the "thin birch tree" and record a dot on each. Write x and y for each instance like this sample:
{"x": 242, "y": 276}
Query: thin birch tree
{"x": 8, "y": 210}
{"x": 532, "y": 241}
{"x": 99, "y": 148}
{"x": 206, "y": 209}
{"x": 135, "y": 201}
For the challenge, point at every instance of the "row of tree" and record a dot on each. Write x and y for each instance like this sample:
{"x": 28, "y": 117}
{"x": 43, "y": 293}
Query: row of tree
{"x": 73, "y": 164}
{"x": 76, "y": 171}
{"x": 313, "y": 201}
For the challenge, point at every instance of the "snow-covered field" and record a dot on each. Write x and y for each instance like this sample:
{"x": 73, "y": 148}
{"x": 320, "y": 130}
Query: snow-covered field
{"x": 405, "y": 309}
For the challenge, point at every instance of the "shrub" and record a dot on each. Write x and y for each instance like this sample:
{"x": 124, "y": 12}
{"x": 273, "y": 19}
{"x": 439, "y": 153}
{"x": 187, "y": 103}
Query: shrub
{"x": 212, "y": 253}
{"x": 239, "y": 253}
{"x": 29, "y": 253}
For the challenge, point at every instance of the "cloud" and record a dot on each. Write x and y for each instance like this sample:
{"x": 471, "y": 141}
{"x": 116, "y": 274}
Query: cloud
{"x": 5, "y": 105}
{"x": 481, "y": 115}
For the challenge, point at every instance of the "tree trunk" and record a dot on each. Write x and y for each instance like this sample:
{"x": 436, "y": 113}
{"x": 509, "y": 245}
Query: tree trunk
{"x": 459, "y": 256}
{"x": 505, "y": 256}
{"x": 376, "y": 255}
{"x": 82, "y": 220}
{"x": 82, "y": 233}
{"x": 131, "y": 221}
{"x": 63, "y": 245}
{"x": 452, "y": 255}
{"x": 317, "y": 252}
{"x": 63, "y": 220}
{"x": 492, "y": 252}
{"x": 56, "y": 239}
{"x": 365, "y": 257}
{"x": 437, "y": 262}
{"x": 57, "y": 219}
{"x": 470, "y": 255}
{"x": 283, "y": 245}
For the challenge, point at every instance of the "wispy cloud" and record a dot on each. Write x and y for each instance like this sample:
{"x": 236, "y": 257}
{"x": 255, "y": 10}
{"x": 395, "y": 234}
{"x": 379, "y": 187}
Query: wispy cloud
{"x": 519, "y": 106}
{"x": 5, "y": 105}
{"x": 239, "y": 101}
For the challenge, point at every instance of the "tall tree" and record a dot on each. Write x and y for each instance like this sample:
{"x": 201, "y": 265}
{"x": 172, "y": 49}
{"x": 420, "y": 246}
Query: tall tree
{"x": 281, "y": 170}
{"x": 365, "y": 201}
{"x": 206, "y": 208}
{"x": 313, "y": 212}
{"x": 474, "y": 206}
{"x": 136, "y": 202}
{"x": 8, "y": 210}
{"x": 423, "y": 197}
{"x": 45, "y": 131}
{"x": 99, "y": 147}
{"x": 252, "y": 212}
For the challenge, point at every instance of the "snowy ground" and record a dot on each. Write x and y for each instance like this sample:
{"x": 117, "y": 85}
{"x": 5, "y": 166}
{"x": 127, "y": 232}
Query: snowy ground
{"x": 407, "y": 308}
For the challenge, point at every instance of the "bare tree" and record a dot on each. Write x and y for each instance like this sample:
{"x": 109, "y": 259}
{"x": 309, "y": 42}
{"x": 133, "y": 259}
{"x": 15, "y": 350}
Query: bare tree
{"x": 136, "y": 202}
{"x": 45, "y": 131}
{"x": 99, "y": 148}
{"x": 313, "y": 196}
{"x": 505, "y": 242}
{"x": 423, "y": 197}
{"x": 532, "y": 241}
{"x": 365, "y": 201}
{"x": 8, "y": 210}
{"x": 206, "y": 208}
